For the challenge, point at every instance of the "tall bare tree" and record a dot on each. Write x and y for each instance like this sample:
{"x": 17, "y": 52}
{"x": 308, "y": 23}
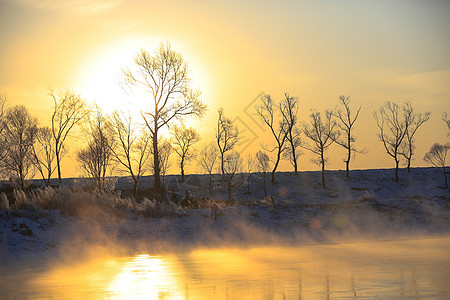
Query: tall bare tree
{"x": 3, "y": 144}
{"x": 165, "y": 76}
{"x": 227, "y": 136}
{"x": 263, "y": 166}
{"x": 68, "y": 109}
{"x": 322, "y": 134}
{"x": 345, "y": 123}
{"x": 289, "y": 110}
{"x": 183, "y": 141}
{"x": 20, "y": 131}
{"x": 233, "y": 172}
{"x": 207, "y": 159}
{"x": 266, "y": 110}
{"x": 393, "y": 128}
{"x": 132, "y": 146}
{"x": 96, "y": 158}
{"x": 412, "y": 122}
{"x": 447, "y": 122}
{"x": 44, "y": 154}
{"x": 437, "y": 156}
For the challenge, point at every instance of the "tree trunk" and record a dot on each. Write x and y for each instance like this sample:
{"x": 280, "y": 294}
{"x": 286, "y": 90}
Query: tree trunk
{"x": 323, "y": 173}
{"x": 396, "y": 171}
{"x": 156, "y": 169}
{"x": 222, "y": 168}
{"x": 182, "y": 169}
{"x": 409, "y": 164}
{"x": 58, "y": 165}
{"x": 276, "y": 166}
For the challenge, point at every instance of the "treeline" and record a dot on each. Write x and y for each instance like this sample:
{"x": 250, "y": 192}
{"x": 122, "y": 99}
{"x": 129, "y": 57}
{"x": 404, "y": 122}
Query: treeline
{"x": 134, "y": 145}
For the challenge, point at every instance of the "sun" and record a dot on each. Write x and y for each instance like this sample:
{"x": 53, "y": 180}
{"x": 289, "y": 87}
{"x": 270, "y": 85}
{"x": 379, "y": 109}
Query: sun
{"x": 101, "y": 80}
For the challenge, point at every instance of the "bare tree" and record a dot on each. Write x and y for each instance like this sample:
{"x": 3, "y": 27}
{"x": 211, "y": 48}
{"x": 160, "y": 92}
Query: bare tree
{"x": 447, "y": 122}
{"x": 393, "y": 130}
{"x": 437, "y": 156}
{"x": 207, "y": 159}
{"x": 19, "y": 134}
{"x": 44, "y": 154}
{"x": 132, "y": 146}
{"x": 3, "y": 144}
{"x": 266, "y": 110}
{"x": 412, "y": 122}
{"x": 68, "y": 109}
{"x": 227, "y": 136}
{"x": 164, "y": 151}
{"x": 322, "y": 134}
{"x": 250, "y": 164}
{"x": 263, "y": 166}
{"x": 345, "y": 124}
{"x": 96, "y": 158}
{"x": 183, "y": 142}
{"x": 166, "y": 77}
{"x": 289, "y": 110}
{"x": 233, "y": 170}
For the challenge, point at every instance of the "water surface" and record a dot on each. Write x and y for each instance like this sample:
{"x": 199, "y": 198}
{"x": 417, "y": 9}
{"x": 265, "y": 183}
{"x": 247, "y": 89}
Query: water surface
{"x": 413, "y": 268}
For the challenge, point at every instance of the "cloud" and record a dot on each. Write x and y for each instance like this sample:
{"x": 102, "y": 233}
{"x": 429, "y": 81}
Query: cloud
{"x": 81, "y": 6}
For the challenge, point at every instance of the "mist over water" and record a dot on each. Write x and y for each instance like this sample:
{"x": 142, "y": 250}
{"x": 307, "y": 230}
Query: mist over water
{"x": 409, "y": 268}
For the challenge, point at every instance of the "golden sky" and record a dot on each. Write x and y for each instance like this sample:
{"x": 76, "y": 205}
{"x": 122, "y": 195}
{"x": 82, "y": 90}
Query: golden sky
{"x": 373, "y": 51}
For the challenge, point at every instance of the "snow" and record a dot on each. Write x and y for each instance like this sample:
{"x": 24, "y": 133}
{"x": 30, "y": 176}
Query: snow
{"x": 369, "y": 205}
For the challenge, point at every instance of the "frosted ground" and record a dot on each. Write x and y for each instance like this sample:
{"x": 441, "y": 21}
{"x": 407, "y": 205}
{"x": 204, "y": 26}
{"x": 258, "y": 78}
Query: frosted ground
{"x": 369, "y": 205}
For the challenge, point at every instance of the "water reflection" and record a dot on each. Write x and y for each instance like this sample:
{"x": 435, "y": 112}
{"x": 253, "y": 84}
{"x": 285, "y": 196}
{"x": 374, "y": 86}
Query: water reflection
{"x": 392, "y": 269}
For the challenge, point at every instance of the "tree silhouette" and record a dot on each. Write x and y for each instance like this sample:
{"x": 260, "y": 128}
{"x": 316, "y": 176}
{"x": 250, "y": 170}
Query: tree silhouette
{"x": 207, "y": 159}
{"x": 68, "y": 109}
{"x": 20, "y": 131}
{"x": 345, "y": 124}
{"x": 131, "y": 147}
{"x": 266, "y": 110}
{"x": 413, "y": 121}
{"x": 289, "y": 110}
{"x": 263, "y": 166}
{"x": 165, "y": 76}
{"x": 437, "y": 156}
{"x": 96, "y": 158}
{"x": 322, "y": 134}
{"x": 183, "y": 142}
{"x": 227, "y": 136}
{"x": 44, "y": 153}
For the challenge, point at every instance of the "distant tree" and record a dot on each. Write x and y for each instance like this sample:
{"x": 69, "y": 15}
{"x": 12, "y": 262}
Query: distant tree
{"x": 447, "y": 122}
{"x": 393, "y": 130}
{"x": 266, "y": 110}
{"x": 207, "y": 159}
{"x": 250, "y": 165}
{"x": 263, "y": 166}
{"x": 412, "y": 122}
{"x": 166, "y": 77}
{"x": 437, "y": 156}
{"x": 345, "y": 124}
{"x": 131, "y": 148}
{"x": 44, "y": 153}
{"x": 68, "y": 110}
{"x": 289, "y": 110}
{"x": 183, "y": 141}
{"x": 95, "y": 160}
{"x": 19, "y": 135}
{"x": 233, "y": 171}
{"x": 164, "y": 151}
{"x": 322, "y": 134}
{"x": 3, "y": 145}
{"x": 227, "y": 136}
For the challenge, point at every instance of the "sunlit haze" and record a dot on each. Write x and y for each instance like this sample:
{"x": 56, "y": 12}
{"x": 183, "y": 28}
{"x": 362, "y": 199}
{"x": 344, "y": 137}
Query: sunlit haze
{"x": 372, "y": 51}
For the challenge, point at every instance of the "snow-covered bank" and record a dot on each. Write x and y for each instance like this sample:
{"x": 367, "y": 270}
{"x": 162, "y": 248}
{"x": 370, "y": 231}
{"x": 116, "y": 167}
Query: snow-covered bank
{"x": 369, "y": 205}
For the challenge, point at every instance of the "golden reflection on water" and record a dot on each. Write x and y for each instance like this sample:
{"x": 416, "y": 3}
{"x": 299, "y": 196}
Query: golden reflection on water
{"x": 391, "y": 269}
